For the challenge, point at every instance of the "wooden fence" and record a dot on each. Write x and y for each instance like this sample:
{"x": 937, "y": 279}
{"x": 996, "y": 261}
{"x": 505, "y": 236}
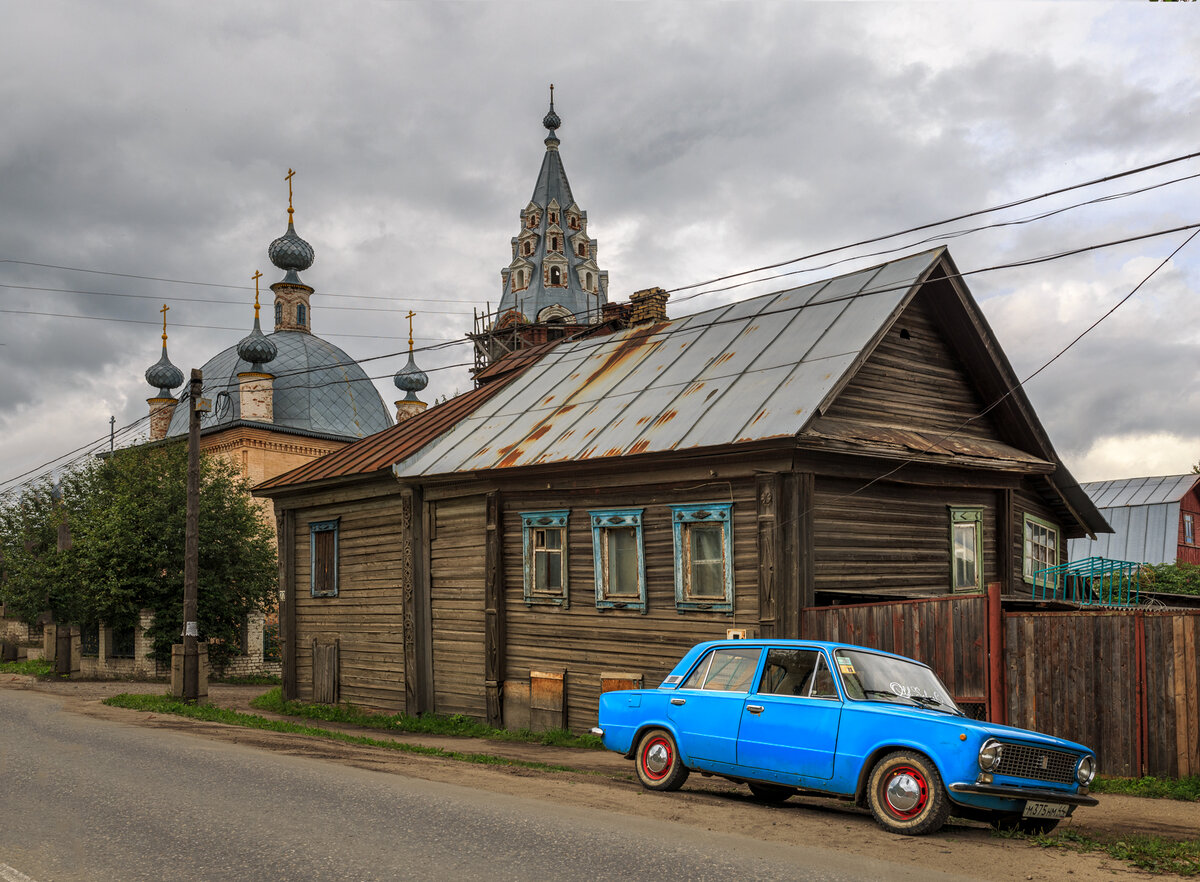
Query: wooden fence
{"x": 1126, "y": 683}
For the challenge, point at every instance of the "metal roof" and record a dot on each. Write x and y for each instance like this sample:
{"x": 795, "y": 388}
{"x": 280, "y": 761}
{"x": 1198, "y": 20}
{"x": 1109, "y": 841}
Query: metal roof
{"x": 1143, "y": 512}
{"x": 318, "y": 388}
{"x": 747, "y": 371}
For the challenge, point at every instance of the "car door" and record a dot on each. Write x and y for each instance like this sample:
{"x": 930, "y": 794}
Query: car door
{"x": 790, "y": 722}
{"x": 707, "y": 708}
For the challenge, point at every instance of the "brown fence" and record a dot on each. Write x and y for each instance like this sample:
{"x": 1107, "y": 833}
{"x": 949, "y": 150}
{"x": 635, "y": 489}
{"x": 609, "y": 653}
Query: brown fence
{"x": 1125, "y": 683}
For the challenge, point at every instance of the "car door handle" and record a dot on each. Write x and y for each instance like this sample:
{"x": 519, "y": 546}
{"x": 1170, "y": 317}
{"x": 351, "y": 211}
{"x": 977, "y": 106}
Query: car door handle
{"x": 678, "y": 701}
{"x": 755, "y": 708}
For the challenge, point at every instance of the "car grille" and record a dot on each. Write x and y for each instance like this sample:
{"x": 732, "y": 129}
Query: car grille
{"x": 1021, "y": 761}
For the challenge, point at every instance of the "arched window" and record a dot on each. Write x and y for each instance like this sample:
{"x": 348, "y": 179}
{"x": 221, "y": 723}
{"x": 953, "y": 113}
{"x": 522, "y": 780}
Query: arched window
{"x": 301, "y": 315}
{"x": 278, "y": 312}
{"x": 582, "y": 250}
{"x": 555, "y": 276}
{"x": 528, "y": 247}
{"x": 587, "y": 281}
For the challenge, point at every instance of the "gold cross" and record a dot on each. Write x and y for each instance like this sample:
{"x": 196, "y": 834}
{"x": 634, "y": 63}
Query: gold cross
{"x": 164, "y": 312}
{"x": 257, "y": 275}
{"x": 552, "y": 96}
{"x": 288, "y": 177}
{"x": 410, "y": 336}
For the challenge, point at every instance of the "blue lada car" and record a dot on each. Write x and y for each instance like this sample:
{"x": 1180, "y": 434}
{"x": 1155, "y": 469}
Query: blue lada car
{"x": 790, "y": 716}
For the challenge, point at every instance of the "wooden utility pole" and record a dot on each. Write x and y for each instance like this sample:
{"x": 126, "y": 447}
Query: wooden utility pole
{"x": 191, "y": 546}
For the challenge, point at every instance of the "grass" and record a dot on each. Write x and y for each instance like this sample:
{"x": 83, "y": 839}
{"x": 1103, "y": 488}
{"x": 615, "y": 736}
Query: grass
{"x": 1153, "y": 854}
{"x": 429, "y": 724}
{"x": 1186, "y": 789}
{"x": 246, "y": 680}
{"x": 165, "y": 704}
{"x": 31, "y": 668}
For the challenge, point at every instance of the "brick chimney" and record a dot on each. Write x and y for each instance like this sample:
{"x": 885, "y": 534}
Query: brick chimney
{"x": 649, "y": 306}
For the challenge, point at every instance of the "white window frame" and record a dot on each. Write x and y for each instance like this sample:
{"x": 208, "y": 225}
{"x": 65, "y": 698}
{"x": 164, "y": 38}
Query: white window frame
{"x": 962, "y": 516}
{"x": 1030, "y": 526}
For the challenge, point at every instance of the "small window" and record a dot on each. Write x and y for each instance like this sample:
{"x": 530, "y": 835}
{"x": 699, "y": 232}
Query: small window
{"x": 725, "y": 670}
{"x": 555, "y": 276}
{"x": 554, "y": 217}
{"x": 619, "y": 559}
{"x": 278, "y": 312}
{"x": 1041, "y": 545}
{"x": 703, "y": 557}
{"x": 1189, "y": 529}
{"x": 966, "y": 549}
{"x": 587, "y": 281}
{"x": 798, "y": 672}
{"x": 545, "y": 558}
{"x": 301, "y": 315}
{"x": 323, "y": 558}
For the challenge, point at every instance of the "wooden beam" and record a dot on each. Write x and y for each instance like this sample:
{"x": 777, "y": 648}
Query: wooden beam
{"x": 769, "y": 494}
{"x": 285, "y": 527}
{"x": 805, "y": 519}
{"x": 493, "y": 589}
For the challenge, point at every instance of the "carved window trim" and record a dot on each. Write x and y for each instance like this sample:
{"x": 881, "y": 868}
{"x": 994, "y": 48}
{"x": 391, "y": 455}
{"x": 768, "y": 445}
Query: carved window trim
{"x": 685, "y": 519}
{"x": 605, "y": 524}
{"x": 534, "y": 523}
{"x": 966, "y": 535}
{"x": 322, "y": 575}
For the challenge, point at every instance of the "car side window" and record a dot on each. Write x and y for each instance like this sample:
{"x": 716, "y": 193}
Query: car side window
{"x": 822, "y": 683}
{"x": 789, "y": 671}
{"x": 725, "y": 670}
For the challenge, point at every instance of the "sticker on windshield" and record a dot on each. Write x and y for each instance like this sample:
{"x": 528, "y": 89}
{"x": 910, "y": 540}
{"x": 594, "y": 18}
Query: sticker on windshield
{"x": 845, "y": 665}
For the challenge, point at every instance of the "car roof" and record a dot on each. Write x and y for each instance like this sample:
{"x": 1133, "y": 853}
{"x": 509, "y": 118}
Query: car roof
{"x": 801, "y": 643}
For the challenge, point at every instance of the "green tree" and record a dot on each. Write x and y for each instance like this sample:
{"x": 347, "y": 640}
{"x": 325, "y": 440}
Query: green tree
{"x": 126, "y": 517}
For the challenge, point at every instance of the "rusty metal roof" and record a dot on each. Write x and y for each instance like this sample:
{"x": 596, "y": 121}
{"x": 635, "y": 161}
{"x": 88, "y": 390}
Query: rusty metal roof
{"x": 747, "y": 371}
{"x": 377, "y": 452}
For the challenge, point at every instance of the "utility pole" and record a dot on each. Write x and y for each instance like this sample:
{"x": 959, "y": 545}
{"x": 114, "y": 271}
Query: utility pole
{"x": 191, "y": 546}
{"x": 112, "y": 436}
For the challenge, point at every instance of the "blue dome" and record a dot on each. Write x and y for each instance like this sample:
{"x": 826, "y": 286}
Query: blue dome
{"x": 410, "y": 379}
{"x": 164, "y": 375}
{"x": 318, "y": 389}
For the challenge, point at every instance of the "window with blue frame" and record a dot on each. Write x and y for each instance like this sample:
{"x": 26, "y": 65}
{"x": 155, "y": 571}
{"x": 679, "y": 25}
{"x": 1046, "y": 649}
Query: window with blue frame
{"x": 278, "y": 312}
{"x": 619, "y": 559}
{"x": 301, "y": 315}
{"x": 703, "y": 556}
{"x": 545, "y": 556}
{"x": 323, "y": 558}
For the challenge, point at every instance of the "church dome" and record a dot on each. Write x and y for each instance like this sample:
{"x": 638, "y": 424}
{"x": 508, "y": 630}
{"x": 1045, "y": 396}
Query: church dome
{"x": 318, "y": 389}
{"x": 256, "y": 347}
{"x": 164, "y": 375}
{"x": 291, "y": 253}
{"x": 411, "y": 379}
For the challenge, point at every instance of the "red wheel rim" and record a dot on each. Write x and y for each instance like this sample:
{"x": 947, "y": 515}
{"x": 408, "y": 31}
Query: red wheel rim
{"x": 657, "y": 755}
{"x": 905, "y": 792}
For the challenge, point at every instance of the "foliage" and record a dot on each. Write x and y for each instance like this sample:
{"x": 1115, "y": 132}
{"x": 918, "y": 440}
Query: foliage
{"x": 428, "y": 724}
{"x": 1180, "y": 578}
{"x": 36, "y": 667}
{"x": 1153, "y": 854}
{"x": 1186, "y": 789}
{"x": 126, "y": 520}
{"x": 165, "y": 704}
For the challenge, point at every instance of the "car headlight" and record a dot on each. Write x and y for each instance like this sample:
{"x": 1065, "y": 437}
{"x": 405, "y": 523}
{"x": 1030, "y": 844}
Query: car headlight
{"x": 989, "y": 755}
{"x": 1086, "y": 770}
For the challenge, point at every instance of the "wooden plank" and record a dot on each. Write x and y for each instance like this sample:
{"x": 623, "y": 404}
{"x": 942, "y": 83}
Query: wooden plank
{"x": 768, "y": 492}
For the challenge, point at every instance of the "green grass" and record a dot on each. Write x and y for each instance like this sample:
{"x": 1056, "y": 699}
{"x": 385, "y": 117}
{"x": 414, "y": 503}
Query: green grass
{"x": 165, "y": 704}
{"x": 32, "y": 668}
{"x": 247, "y": 680}
{"x": 1186, "y": 789}
{"x": 1153, "y": 854}
{"x": 429, "y": 724}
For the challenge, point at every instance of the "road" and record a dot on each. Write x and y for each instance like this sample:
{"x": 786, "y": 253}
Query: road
{"x": 94, "y": 799}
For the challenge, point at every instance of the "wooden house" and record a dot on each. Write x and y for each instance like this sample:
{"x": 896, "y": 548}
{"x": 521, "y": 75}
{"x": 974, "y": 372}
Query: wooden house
{"x": 599, "y": 504}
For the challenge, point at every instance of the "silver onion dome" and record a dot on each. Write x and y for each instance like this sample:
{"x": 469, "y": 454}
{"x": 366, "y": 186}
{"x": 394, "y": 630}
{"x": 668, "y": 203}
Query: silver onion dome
{"x": 256, "y": 347}
{"x": 410, "y": 379}
{"x": 291, "y": 253}
{"x": 164, "y": 375}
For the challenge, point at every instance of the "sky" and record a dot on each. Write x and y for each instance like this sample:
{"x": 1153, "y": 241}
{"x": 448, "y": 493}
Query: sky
{"x": 144, "y": 148}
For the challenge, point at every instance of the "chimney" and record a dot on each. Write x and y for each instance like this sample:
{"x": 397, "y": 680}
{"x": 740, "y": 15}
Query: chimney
{"x": 649, "y": 306}
{"x": 161, "y": 411}
{"x": 257, "y": 396}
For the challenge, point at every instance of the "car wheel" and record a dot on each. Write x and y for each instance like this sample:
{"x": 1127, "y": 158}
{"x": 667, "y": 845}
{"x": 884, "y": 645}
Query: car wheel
{"x": 770, "y": 792}
{"x": 906, "y": 795}
{"x": 1029, "y": 826}
{"x": 658, "y": 764}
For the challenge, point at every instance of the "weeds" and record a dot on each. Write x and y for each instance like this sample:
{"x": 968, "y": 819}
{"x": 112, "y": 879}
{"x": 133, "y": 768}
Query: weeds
{"x": 31, "y": 668}
{"x": 1154, "y": 854}
{"x": 1186, "y": 789}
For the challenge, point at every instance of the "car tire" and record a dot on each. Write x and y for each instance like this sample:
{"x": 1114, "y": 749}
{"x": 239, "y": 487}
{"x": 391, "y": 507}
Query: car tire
{"x": 1028, "y": 826}
{"x": 658, "y": 763}
{"x": 906, "y": 795}
{"x": 770, "y": 792}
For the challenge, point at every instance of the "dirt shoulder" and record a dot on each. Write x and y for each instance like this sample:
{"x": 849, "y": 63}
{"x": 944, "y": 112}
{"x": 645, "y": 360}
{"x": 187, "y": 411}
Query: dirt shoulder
{"x": 605, "y": 781}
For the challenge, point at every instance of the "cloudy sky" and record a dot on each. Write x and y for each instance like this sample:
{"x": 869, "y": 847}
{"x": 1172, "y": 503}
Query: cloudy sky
{"x": 144, "y": 147}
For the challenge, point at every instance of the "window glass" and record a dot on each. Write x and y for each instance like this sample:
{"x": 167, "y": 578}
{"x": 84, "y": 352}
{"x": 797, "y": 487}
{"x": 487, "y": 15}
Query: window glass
{"x": 323, "y": 558}
{"x": 621, "y": 561}
{"x": 618, "y": 558}
{"x": 725, "y": 670}
{"x": 545, "y": 548}
{"x": 703, "y": 556}
{"x": 1189, "y": 529}
{"x": 1041, "y": 545}
{"x": 706, "y": 560}
{"x": 788, "y": 671}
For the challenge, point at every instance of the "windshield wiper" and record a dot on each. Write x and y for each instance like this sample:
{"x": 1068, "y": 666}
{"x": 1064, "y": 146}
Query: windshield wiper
{"x": 928, "y": 701}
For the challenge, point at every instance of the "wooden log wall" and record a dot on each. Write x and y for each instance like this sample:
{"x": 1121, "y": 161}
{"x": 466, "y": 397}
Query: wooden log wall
{"x": 457, "y": 556}
{"x": 1090, "y": 676}
{"x": 948, "y": 633}
{"x": 892, "y": 537}
{"x": 586, "y": 642}
{"x": 366, "y": 618}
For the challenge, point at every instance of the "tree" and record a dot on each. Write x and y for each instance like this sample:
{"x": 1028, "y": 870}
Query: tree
{"x": 126, "y": 520}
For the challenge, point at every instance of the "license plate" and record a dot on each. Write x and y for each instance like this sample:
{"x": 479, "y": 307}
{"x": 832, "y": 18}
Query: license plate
{"x": 1044, "y": 810}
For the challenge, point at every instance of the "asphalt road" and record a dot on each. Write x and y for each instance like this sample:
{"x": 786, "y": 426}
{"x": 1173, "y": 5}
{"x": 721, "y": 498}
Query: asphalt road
{"x": 82, "y": 798}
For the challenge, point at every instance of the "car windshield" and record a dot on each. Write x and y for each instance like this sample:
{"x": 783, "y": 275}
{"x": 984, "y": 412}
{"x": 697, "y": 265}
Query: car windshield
{"x": 870, "y": 677}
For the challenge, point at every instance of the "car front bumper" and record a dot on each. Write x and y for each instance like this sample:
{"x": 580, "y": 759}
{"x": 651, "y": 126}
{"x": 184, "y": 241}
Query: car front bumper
{"x": 1035, "y": 794}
